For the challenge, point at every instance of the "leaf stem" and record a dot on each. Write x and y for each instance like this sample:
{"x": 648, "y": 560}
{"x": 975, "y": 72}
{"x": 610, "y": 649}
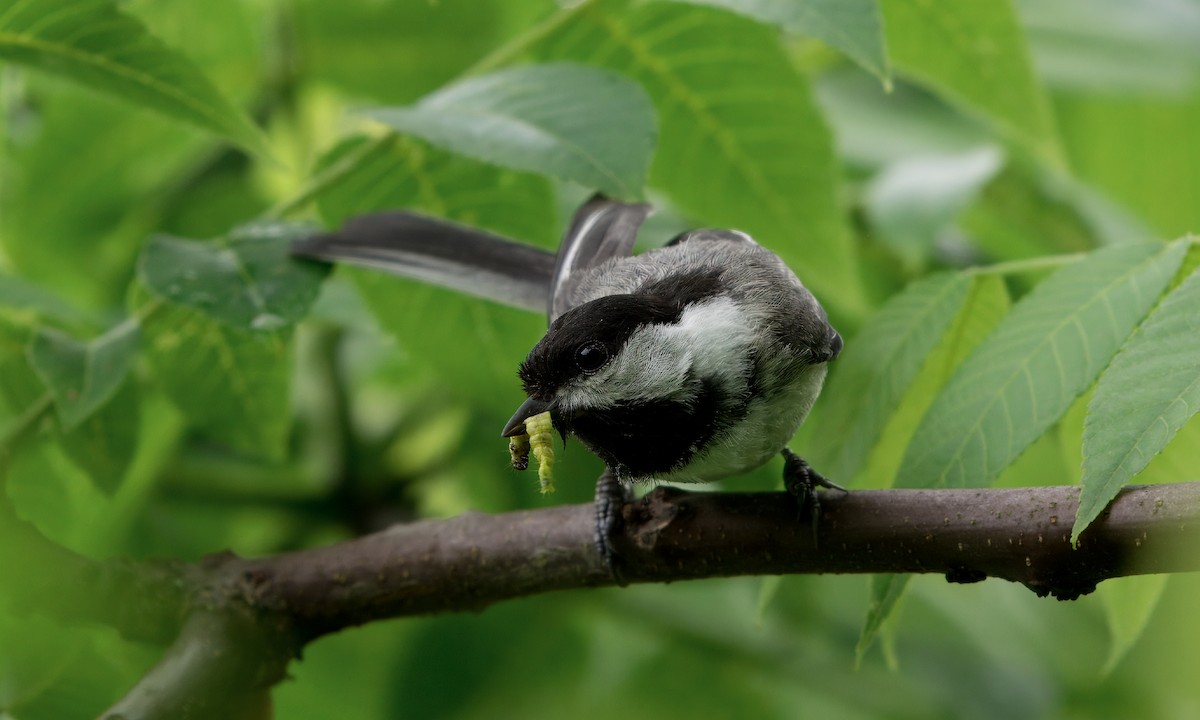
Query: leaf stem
{"x": 1016, "y": 267}
{"x": 147, "y": 311}
{"x": 502, "y": 55}
{"x": 512, "y": 49}
{"x": 329, "y": 177}
{"x": 24, "y": 423}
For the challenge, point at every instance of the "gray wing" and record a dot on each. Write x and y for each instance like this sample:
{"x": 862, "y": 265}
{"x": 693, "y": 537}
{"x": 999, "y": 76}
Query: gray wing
{"x": 442, "y": 253}
{"x": 601, "y": 230}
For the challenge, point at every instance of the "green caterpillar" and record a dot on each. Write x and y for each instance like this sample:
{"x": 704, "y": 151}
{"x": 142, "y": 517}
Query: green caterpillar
{"x": 537, "y": 436}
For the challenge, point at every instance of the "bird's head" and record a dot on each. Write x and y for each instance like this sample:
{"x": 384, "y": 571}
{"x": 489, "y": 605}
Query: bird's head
{"x": 600, "y": 355}
{"x": 640, "y": 378}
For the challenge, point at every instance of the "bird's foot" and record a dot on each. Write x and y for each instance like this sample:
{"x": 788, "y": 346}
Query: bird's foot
{"x": 611, "y": 496}
{"x": 802, "y": 482}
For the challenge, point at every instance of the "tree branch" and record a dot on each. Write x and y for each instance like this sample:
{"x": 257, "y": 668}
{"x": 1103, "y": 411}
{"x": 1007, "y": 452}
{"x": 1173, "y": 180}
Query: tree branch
{"x": 471, "y": 561}
{"x": 250, "y": 616}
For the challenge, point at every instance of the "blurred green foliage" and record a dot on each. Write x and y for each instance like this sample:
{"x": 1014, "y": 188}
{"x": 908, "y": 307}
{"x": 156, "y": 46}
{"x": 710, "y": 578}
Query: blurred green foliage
{"x": 163, "y": 395}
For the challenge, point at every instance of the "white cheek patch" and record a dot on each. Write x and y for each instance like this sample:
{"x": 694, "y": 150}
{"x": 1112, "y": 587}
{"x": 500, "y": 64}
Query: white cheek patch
{"x": 710, "y": 340}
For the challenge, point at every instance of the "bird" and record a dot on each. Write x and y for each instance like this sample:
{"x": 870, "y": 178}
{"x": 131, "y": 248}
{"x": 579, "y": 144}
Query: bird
{"x": 687, "y": 363}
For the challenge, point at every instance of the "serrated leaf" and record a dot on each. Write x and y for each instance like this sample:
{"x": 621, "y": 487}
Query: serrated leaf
{"x": 876, "y": 369}
{"x": 852, "y": 26}
{"x": 97, "y": 45}
{"x": 985, "y": 304}
{"x": 573, "y": 122}
{"x": 231, "y": 383}
{"x": 1026, "y": 374}
{"x": 885, "y": 591}
{"x": 1148, "y": 393}
{"x": 1177, "y": 461}
{"x": 1129, "y": 603}
{"x": 247, "y": 280}
{"x": 1191, "y": 261}
{"x": 83, "y": 376}
{"x": 976, "y": 55}
{"x": 742, "y": 142}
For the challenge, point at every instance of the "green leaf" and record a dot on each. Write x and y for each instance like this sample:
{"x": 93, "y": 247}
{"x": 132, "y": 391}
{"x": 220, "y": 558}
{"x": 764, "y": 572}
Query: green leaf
{"x": 395, "y": 52}
{"x": 768, "y": 590}
{"x": 742, "y": 142}
{"x": 1158, "y": 181}
{"x": 84, "y": 255}
{"x": 231, "y": 383}
{"x": 27, "y": 303}
{"x": 1129, "y": 603}
{"x": 1177, "y": 461}
{"x": 140, "y": 165}
{"x": 51, "y": 670}
{"x": 1148, "y": 393}
{"x": 913, "y": 201}
{"x": 402, "y": 172}
{"x": 83, "y": 376}
{"x": 94, "y": 44}
{"x": 20, "y": 387}
{"x": 976, "y": 55}
{"x": 96, "y": 401}
{"x": 34, "y": 652}
{"x": 985, "y": 304}
{"x": 474, "y": 346}
{"x": 1024, "y": 376}
{"x": 248, "y": 280}
{"x": 852, "y": 26}
{"x": 885, "y": 591}
{"x": 103, "y": 445}
{"x": 875, "y": 128}
{"x": 877, "y": 367}
{"x": 573, "y": 122}
{"x": 1022, "y": 213}
{"x": 1191, "y": 262}
{"x": 1114, "y": 49}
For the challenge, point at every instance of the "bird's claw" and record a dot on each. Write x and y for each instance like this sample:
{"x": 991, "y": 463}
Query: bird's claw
{"x": 801, "y": 482}
{"x": 611, "y": 496}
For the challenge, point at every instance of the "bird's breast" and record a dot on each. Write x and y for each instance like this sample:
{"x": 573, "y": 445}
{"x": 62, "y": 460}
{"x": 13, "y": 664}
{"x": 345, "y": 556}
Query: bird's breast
{"x": 764, "y": 427}
{"x": 651, "y": 437}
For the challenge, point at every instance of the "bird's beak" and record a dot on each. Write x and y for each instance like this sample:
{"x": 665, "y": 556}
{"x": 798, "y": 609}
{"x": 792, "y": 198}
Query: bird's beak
{"x": 835, "y": 344}
{"x": 833, "y": 347}
{"x": 529, "y": 408}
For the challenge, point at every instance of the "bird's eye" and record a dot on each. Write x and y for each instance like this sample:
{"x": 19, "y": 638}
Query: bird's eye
{"x": 591, "y": 356}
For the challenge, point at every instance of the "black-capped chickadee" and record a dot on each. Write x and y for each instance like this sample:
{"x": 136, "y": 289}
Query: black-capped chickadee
{"x": 687, "y": 363}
